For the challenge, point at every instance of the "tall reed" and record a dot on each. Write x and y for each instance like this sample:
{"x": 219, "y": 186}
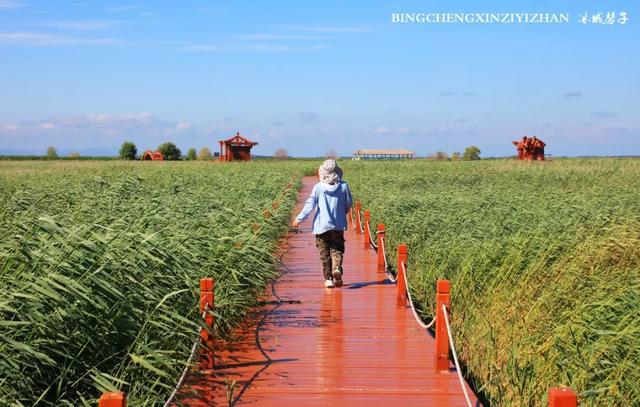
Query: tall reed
{"x": 544, "y": 260}
{"x": 100, "y": 264}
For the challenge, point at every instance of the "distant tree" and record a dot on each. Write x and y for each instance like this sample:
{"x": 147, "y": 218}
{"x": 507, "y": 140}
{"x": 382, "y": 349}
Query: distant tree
{"x": 471, "y": 153}
{"x": 170, "y": 151}
{"x": 191, "y": 154}
{"x": 332, "y": 154}
{"x": 455, "y": 156}
{"x": 439, "y": 155}
{"x": 75, "y": 154}
{"x": 204, "y": 154}
{"x": 52, "y": 152}
{"x": 281, "y": 154}
{"x": 128, "y": 151}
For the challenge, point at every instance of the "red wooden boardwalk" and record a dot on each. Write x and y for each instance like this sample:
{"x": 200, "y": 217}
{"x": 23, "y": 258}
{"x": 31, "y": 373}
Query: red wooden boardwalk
{"x": 312, "y": 346}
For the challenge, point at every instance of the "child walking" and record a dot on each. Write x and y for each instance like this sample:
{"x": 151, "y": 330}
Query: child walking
{"x": 332, "y": 200}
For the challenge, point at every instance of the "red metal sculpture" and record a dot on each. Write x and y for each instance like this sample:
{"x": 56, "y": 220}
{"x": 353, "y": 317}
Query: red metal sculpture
{"x": 530, "y": 148}
{"x": 152, "y": 155}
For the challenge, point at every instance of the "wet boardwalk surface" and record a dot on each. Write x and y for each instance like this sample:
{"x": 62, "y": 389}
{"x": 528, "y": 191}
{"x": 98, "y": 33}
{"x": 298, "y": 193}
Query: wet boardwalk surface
{"x": 313, "y": 346}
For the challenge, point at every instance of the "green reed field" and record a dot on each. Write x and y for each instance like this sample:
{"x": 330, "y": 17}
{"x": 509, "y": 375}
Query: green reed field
{"x": 544, "y": 260}
{"x": 100, "y": 264}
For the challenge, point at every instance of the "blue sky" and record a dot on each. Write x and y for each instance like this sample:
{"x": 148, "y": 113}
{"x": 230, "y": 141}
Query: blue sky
{"x": 314, "y": 76}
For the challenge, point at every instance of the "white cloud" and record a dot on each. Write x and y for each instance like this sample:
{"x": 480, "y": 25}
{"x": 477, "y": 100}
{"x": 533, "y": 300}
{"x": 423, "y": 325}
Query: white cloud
{"x": 281, "y": 48}
{"x": 123, "y": 8}
{"x": 93, "y": 131}
{"x": 202, "y": 48}
{"x": 573, "y": 95}
{"x": 9, "y": 128}
{"x": 142, "y": 117}
{"x": 308, "y": 117}
{"x": 388, "y": 130}
{"x": 10, "y": 4}
{"x": 252, "y": 47}
{"x": 183, "y": 126}
{"x": 81, "y": 24}
{"x": 48, "y": 39}
{"x": 98, "y": 118}
{"x": 279, "y": 37}
{"x": 330, "y": 29}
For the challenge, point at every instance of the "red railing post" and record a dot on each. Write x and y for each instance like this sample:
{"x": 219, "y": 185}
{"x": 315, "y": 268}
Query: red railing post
{"x": 562, "y": 397}
{"x": 112, "y": 399}
{"x": 207, "y": 298}
{"x": 367, "y": 230}
{"x": 358, "y": 223}
{"x": 401, "y": 286}
{"x": 350, "y": 219}
{"x": 380, "y": 239}
{"x": 443, "y": 289}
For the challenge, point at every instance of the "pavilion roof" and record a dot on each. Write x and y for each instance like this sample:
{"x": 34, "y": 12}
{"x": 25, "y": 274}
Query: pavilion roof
{"x": 239, "y": 140}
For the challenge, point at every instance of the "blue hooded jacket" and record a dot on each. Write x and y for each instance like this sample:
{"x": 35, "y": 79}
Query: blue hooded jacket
{"x": 332, "y": 202}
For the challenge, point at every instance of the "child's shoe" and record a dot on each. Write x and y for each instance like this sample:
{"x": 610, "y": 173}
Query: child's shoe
{"x": 328, "y": 283}
{"x": 337, "y": 278}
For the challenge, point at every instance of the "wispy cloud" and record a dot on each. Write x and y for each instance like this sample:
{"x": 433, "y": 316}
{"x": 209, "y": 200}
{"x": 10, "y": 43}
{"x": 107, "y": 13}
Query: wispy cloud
{"x": 622, "y": 131}
{"x": 94, "y": 130}
{"x": 603, "y": 114}
{"x": 210, "y": 10}
{"x": 466, "y": 93}
{"x": 282, "y": 48}
{"x": 573, "y": 95}
{"x": 279, "y": 37}
{"x": 252, "y": 47}
{"x": 308, "y": 117}
{"x": 329, "y": 29}
{"x": 390, "y": 130}
{"x": 202, "y": 48}
{"x": 81, "y": 24}
{"x": 100, "y": 124}
{"x": 124, "y": 7}
{"x": 48, "y": 39}
{"x": 184, "y": 126}
{"x": 11, "y": 4}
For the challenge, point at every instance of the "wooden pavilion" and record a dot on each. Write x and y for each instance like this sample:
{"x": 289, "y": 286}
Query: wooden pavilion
{"x": 236, "y": 148}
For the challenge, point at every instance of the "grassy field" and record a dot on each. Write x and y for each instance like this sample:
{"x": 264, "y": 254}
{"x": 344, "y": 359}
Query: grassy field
{"x": 544, "y": 259}
{"x": 100, "y": 264}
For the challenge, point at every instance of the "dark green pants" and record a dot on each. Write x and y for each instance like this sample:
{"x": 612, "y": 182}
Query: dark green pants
{"x": 331, "y": 246}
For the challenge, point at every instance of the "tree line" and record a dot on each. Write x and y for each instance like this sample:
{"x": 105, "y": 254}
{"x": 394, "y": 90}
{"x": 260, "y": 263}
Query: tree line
{"x": 470, "y": 153}
{"x": 129, "y": 151}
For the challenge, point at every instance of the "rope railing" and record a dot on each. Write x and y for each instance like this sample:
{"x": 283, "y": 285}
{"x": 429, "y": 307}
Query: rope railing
{"x": 205, "y": 338}
{"x": 557, "y": 397}
{"x": 188, "y": 365}
{"x": 413, "y": 308}
{"x": 393, "y": 278}
{"x": 368, "y": 235}
{"x": 445, "y": 313}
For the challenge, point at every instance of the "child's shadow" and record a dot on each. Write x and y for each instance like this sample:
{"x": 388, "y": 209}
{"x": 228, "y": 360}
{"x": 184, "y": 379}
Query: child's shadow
{"x": 355, "y": 286}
